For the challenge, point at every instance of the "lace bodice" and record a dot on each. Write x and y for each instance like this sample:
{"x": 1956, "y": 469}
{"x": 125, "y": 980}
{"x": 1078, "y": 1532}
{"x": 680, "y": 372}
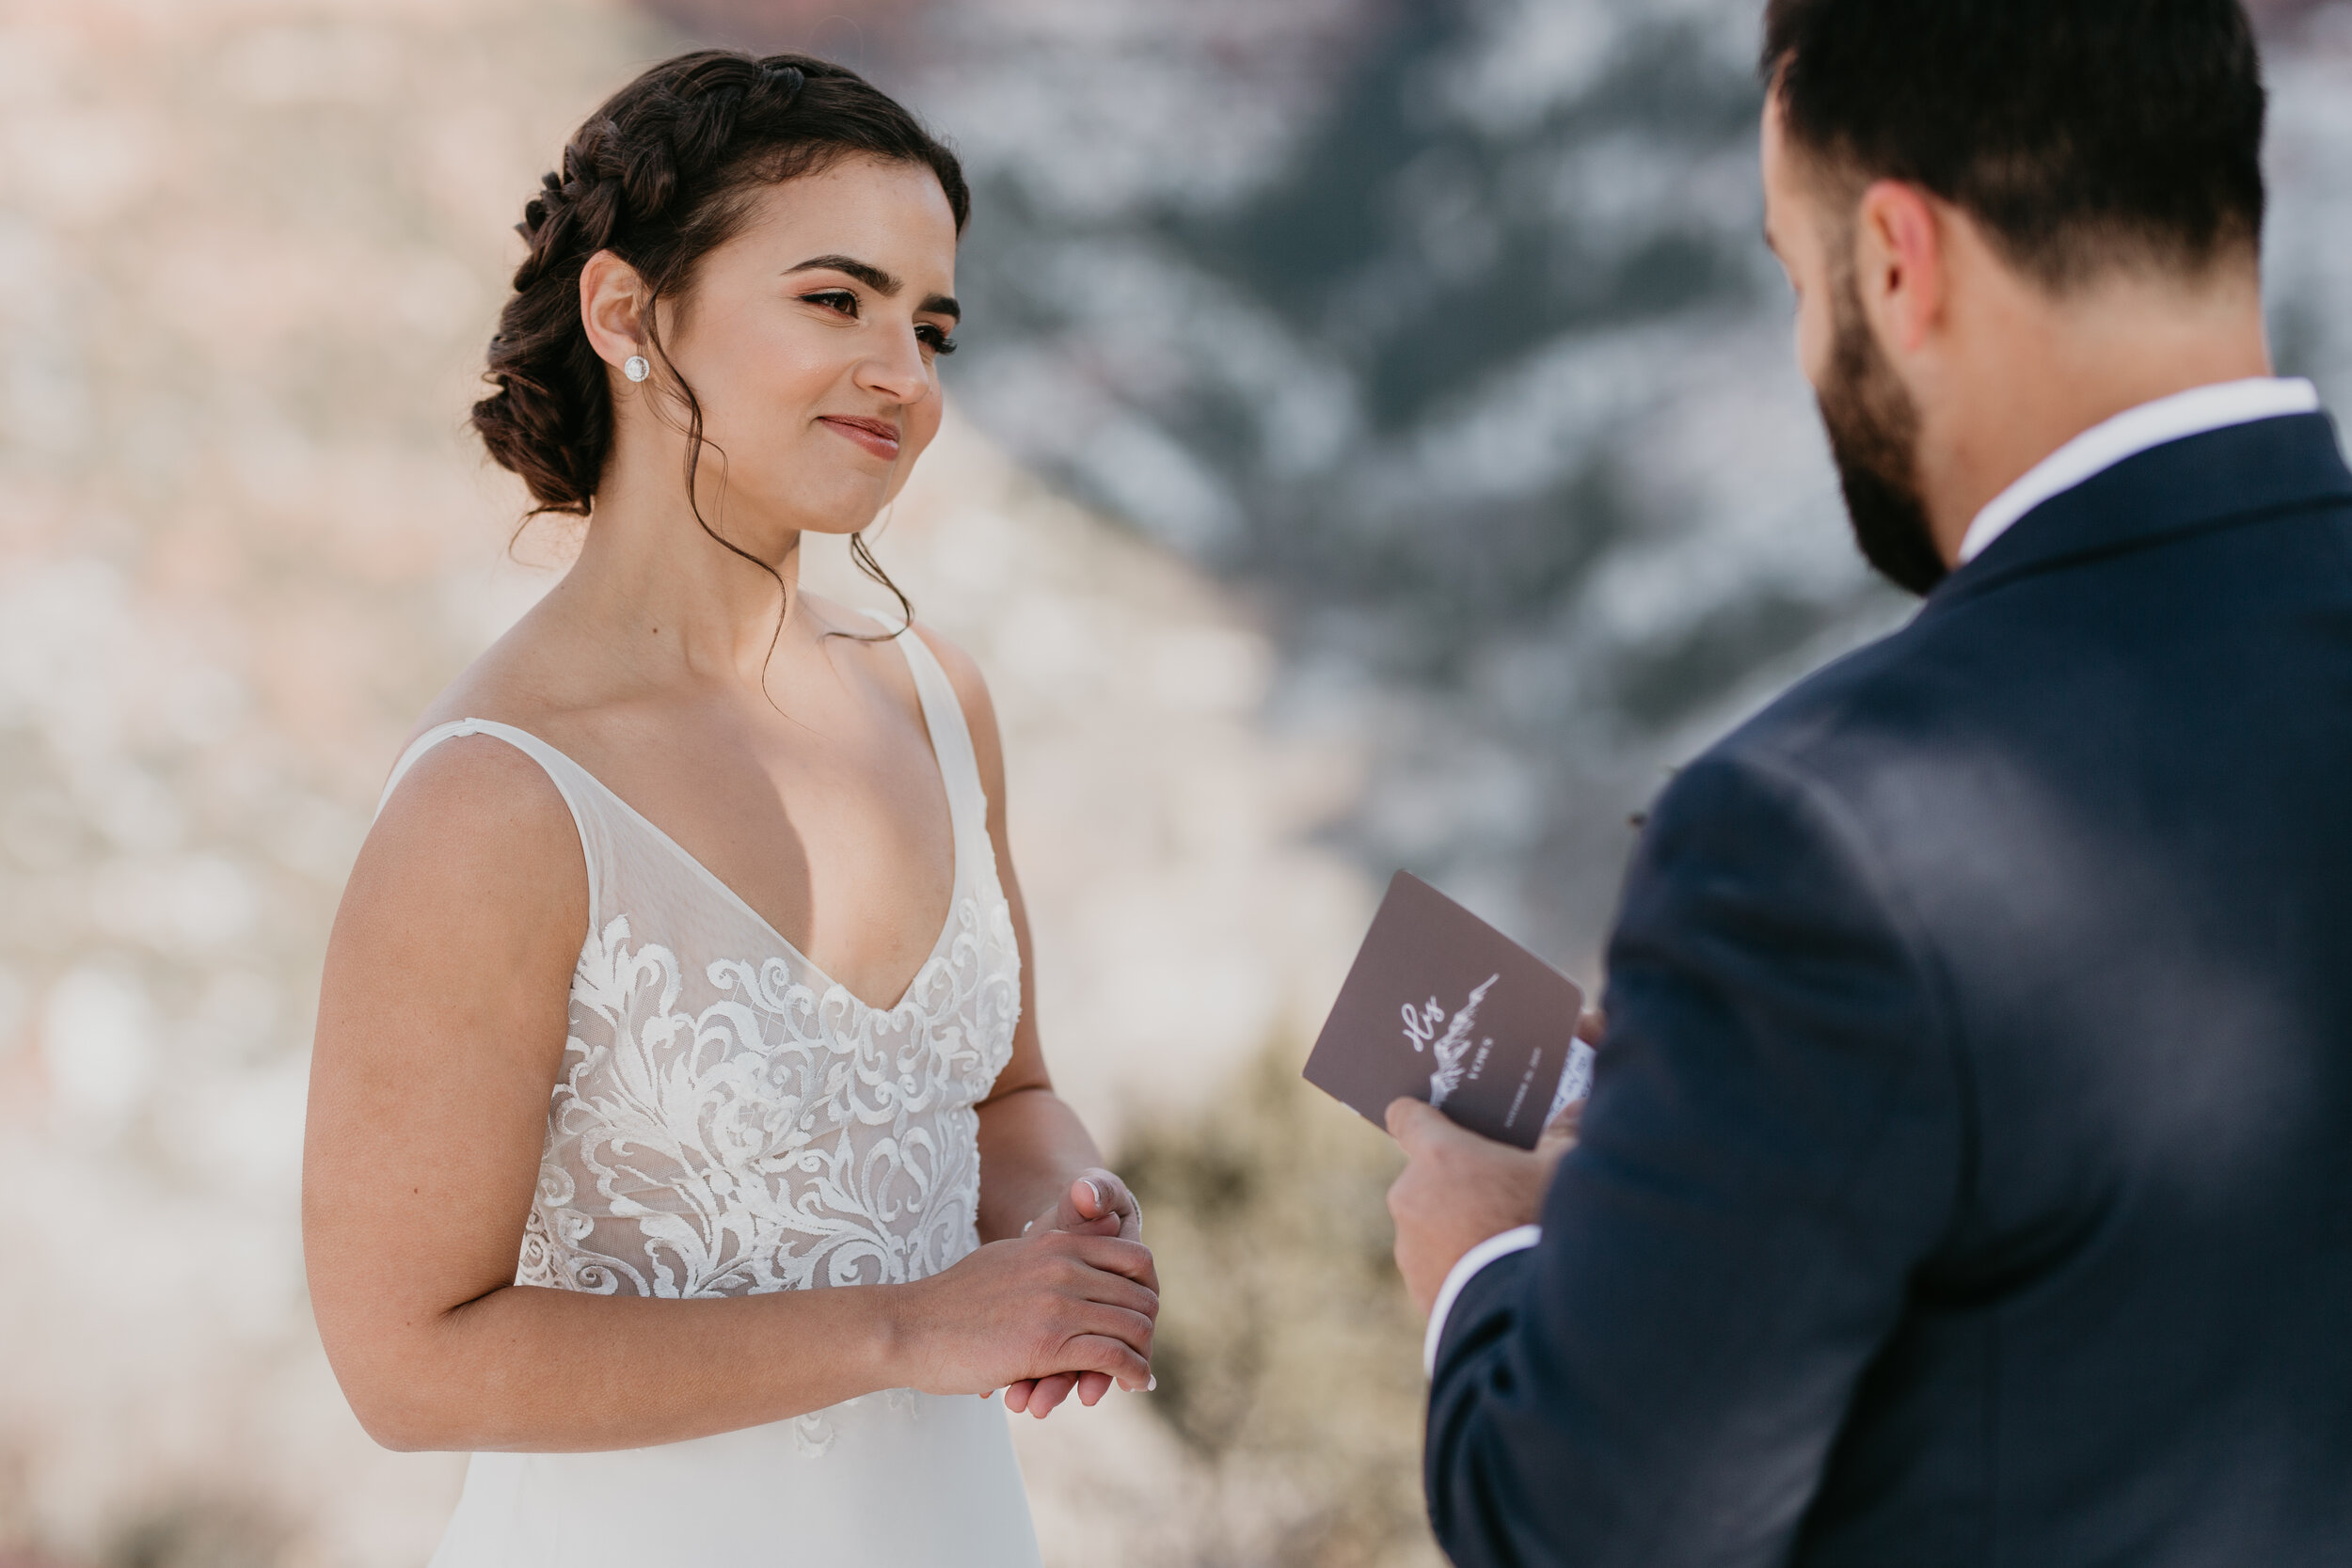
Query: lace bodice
{"x": 728, "y": 1120}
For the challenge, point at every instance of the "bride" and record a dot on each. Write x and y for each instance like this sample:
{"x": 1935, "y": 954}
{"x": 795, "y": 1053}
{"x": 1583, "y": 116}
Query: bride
{"x": 680, "y": 1138}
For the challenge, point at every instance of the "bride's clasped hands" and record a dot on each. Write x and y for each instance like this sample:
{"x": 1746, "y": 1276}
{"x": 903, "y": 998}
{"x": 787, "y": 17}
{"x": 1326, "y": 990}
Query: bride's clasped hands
{"x": 1067, "y": 1306}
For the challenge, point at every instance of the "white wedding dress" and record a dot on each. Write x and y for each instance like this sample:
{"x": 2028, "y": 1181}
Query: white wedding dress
{"x": 730, "y": 1120}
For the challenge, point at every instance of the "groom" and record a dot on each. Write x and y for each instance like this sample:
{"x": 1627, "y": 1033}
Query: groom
{"x": 1969, "y": 1176}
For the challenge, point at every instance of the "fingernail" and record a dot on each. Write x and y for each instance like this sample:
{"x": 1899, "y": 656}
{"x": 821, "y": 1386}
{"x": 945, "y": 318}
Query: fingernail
{"x": 1101, "y": 1203}
{"x": 1155, "y": 1383}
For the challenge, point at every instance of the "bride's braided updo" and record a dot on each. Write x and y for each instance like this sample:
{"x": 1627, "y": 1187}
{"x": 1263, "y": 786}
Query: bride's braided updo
{"x": 661, "y": 175}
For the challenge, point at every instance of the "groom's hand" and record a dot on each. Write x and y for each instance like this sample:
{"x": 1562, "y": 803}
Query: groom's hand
{"x": 1456, "y": 1190}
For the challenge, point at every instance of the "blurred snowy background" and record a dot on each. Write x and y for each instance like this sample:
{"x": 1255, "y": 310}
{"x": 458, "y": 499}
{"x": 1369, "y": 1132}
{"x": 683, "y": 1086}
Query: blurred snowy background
{"x": 1376, "y": 445}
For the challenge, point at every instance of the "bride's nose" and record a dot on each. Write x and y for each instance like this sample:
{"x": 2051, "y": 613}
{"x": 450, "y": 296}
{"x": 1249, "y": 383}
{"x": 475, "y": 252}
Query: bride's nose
{"x": 895, "y": 368}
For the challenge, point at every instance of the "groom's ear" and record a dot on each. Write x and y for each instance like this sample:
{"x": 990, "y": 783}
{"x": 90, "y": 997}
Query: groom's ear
{"x": 1903, "y": 273}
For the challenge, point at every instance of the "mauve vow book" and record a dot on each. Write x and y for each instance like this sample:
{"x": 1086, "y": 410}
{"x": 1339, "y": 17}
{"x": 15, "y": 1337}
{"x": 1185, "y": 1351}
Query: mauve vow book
{"x": 1441, "y": 1007}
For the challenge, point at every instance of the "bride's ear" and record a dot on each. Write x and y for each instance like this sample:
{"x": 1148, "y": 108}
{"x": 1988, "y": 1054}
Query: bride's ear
{"x": 613, "y": 300}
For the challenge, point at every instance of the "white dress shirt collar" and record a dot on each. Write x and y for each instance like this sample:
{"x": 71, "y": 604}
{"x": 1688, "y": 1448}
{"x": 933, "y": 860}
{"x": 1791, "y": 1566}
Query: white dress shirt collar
{"x": 2128, "y": 434}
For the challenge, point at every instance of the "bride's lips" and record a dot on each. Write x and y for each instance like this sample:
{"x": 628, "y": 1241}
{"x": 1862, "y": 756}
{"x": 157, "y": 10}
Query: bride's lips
{"x": 873, "y": 434}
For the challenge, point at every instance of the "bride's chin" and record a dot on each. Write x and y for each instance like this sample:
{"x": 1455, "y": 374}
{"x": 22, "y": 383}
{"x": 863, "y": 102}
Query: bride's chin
{"x": 836, "y": 529}
{"x": 848, "y": 507}
{"x": 785, "y": 518}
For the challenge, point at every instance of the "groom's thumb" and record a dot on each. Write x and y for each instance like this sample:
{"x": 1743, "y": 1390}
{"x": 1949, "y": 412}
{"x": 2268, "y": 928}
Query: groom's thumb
{"x": 1410, "y": 1122}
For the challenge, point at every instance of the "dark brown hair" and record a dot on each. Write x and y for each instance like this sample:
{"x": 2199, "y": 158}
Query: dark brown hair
{"x": 661, "y": 175}
{"x": 2082, "y": 133}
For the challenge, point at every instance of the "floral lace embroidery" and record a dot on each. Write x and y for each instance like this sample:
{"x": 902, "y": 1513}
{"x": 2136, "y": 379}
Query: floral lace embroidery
{"x": 760, "y": 1134}
{"x": 767, "y": 1135}
{"x": 727, "y": 1119}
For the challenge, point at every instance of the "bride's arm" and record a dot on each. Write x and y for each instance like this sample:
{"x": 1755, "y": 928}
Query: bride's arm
{"x": 442, "y": 1018}
{"x": 1033, "y": 1146}
{"x": 1035, "y": 1152}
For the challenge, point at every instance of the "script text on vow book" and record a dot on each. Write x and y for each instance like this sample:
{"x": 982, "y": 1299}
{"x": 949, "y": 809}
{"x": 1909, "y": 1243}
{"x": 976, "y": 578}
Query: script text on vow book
{"x": 1442, "y": 1008}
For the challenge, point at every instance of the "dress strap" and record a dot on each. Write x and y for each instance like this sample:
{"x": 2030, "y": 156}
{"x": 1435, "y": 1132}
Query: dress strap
{"x": 573, "y": 782}
{"x": 951, "y": 737}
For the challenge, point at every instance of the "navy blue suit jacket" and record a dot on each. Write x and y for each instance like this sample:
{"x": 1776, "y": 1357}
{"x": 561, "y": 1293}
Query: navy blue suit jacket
{"x": 1968, "y": 1178}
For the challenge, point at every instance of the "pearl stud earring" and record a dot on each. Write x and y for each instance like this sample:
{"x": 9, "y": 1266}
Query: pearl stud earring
{"x": 635, "y": 366}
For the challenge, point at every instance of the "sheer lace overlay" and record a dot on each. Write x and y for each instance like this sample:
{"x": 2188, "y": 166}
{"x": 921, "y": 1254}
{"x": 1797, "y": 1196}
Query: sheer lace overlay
{"x": 729, "y": 1121}
{"x": 742, "y": 1124}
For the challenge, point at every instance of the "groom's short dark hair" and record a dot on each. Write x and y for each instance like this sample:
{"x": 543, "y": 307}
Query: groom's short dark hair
{"x": 2082, "y": 134}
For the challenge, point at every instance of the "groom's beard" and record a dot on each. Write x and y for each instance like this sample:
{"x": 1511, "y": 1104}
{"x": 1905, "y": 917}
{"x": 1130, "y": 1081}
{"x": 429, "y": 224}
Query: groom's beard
{"x": 1873, "y": 436}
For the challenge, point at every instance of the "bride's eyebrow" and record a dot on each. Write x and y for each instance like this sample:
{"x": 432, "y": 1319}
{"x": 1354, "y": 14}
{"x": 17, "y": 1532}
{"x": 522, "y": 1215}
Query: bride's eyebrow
{"x": 874, "y": 278}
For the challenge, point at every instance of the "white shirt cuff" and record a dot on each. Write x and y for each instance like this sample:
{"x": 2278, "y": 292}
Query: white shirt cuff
{"x": 1474, "y": 1260}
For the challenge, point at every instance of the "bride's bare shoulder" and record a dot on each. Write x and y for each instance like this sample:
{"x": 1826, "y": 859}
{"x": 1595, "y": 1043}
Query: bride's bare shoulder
{"x": 524, "y": 678}
{"x": 971, "y": 688}
{"x": 483, "y": 786}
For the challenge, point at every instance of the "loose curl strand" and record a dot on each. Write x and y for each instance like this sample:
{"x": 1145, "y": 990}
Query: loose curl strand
{"x": 661, "y": 175}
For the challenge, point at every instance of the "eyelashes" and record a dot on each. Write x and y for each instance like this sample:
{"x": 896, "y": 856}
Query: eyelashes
{"x": 845, "y": 303}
